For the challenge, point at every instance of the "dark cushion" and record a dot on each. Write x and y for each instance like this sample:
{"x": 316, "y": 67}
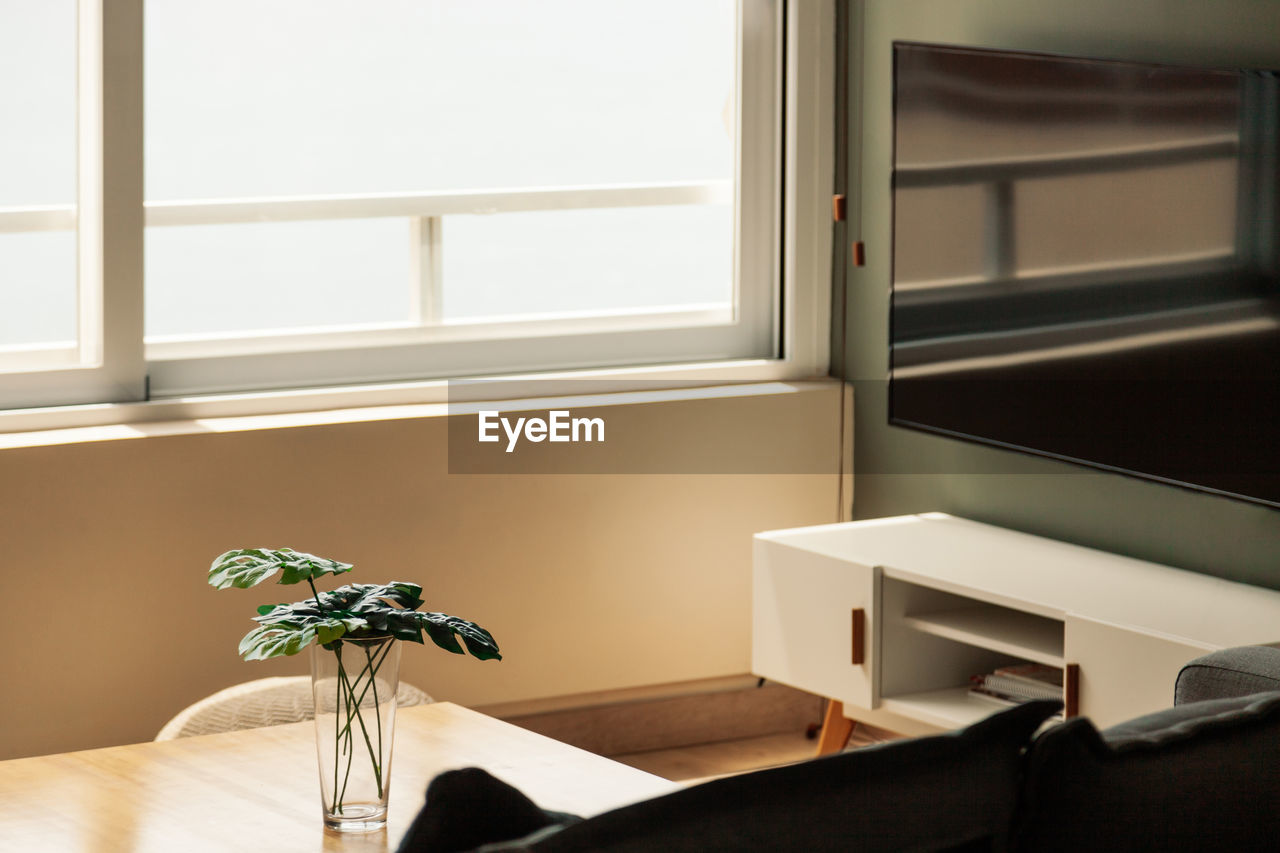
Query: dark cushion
{"x": 1230, "y": 672}
{"x": 468, "y": 808}
{"x": 945, "y": 792}
{"x": 1201, "y": 776}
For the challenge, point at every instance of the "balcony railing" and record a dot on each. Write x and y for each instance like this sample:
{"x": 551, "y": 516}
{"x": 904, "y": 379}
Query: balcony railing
{"x": 424, "y": 211}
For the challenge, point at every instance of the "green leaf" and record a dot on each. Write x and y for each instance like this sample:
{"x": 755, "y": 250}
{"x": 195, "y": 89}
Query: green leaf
{"x": 249, "y": 567}
{"x": 242, "y": 569}
{"x": 401, "y": 624}
{"x": 252, "y": 638}
{"x": 329, "y": 630}
{"x": 360, "y": 611}
{"x": 362, "y": 598}
{"x": 298, "y": 613}
{"x": 441, "y": 628}
{"x": 269, "y": 641}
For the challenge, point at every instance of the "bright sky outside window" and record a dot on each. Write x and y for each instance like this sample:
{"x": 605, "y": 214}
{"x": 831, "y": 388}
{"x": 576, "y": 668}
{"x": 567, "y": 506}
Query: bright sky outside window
{"x": 37, "y": 173}
{"x": 317, "y": 100}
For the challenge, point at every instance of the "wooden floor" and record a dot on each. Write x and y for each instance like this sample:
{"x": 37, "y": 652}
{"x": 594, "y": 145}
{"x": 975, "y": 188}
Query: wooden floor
{"x": 700, "y": 762}
{"x": 709, "y": 760}
{"x": 695, "y": 737}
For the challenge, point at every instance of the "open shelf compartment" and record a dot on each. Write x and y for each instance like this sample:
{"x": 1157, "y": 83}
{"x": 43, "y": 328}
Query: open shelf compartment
{"x": 934, "y": 641}
{"x": 948, "y": 707}
{"x": 1001, "y": 629}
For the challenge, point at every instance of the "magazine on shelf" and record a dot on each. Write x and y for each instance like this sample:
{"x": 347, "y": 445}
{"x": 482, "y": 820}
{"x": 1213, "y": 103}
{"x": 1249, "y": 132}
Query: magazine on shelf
{"x": 1010, "y": 685}
{"x": 978, "y": 692}
{"x": 1033, "y": 674}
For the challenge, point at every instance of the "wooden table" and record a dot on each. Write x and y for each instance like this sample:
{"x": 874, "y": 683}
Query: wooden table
{"x": 257, "y": 789}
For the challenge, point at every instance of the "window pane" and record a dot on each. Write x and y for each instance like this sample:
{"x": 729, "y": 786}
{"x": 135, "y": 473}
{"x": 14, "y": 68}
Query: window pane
{"x": 540, "y": 263}
{"x": 248, "y": 100}
{"x": 37, "y": 169}
{"x": 276, "y": 276}
{"x": 305, "y": 97}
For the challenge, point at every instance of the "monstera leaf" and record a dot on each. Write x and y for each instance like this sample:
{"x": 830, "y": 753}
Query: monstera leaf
{"x": 361, "y": 611}
{"x": 441, "y": 628}
{"x": 269, "y": 641}
{"x": 249, "y": 567}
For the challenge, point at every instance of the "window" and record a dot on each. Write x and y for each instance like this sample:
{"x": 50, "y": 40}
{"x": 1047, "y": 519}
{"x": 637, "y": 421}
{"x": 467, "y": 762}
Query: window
{"x": 329, "y": 192}
{"x": 38, "y": 182}
{"x": 70, "y": 220}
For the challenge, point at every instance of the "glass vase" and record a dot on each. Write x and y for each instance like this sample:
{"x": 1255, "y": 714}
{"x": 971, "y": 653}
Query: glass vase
{"x": 354, "y": 683}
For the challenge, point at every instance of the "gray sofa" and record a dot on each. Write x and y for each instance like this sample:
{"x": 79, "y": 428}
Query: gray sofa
{"x": 1203, "y": 775}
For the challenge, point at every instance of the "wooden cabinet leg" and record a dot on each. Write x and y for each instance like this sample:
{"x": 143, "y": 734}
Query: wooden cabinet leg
{"x": 836, "y": 729}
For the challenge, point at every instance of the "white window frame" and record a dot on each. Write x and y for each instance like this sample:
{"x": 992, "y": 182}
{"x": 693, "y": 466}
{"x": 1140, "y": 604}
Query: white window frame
{"x": 106, "y": 364}
{"x": 780, "y": 332}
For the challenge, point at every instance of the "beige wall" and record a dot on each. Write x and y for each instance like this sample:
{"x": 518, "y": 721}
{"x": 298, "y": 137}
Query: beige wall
{"x": 590, "y": 582}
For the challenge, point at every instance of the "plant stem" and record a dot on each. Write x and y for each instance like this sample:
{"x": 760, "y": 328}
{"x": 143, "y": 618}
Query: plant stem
{"x": 343, "y": 680}
{"x": 347, "y": 689}
{"x": 383, "y": 653}
{"x": 364, "y": 731}
{"x": 337, "y": 804}
{"x": 377, "y": 705}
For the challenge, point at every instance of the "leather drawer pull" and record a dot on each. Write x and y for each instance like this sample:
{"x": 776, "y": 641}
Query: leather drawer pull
{"x": 1071, "y": 690}
{"x": 859, "y": 643}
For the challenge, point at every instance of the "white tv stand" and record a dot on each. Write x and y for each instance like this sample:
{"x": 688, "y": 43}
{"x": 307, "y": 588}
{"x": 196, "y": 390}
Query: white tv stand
{"x": 892, "y": 616}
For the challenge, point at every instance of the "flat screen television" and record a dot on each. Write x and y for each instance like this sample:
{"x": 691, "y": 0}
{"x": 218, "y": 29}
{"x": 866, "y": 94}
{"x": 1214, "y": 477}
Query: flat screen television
{"x": 1085, "y": 262}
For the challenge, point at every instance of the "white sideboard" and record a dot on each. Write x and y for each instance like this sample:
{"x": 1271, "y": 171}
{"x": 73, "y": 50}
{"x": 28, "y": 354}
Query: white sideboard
{"x": 892, "y": 616}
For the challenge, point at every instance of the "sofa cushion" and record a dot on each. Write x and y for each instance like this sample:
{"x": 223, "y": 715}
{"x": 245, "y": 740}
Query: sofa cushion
{"x": 1226, "y": 673}
{"x": 944, "y": 792}
{"x": 1202, "y": 776}
{"x": 468, "y": 808}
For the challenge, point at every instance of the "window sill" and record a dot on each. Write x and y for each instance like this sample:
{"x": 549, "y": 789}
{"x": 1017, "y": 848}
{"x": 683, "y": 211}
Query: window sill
{"x": 310, "y": 407}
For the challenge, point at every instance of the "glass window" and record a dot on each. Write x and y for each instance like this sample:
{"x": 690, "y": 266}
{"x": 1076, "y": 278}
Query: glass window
{"x": 200, "y": 196}
{"x": 480, "y": 121}
{"x": 38, "y": 295}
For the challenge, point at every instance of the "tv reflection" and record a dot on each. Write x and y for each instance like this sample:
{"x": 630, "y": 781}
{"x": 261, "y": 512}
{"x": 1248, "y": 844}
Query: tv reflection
{"x": 1085, "y": 262}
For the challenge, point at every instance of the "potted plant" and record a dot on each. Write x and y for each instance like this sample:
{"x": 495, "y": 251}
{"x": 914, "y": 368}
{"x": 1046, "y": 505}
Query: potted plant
{"x": 355, "y": 660}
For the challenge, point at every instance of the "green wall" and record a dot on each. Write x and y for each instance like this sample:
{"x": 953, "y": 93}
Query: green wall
{"x": 900, "y": 471}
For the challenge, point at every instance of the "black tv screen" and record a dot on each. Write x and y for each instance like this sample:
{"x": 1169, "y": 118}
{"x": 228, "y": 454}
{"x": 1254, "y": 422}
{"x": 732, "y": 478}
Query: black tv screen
{"x": 1085, "y": 262}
